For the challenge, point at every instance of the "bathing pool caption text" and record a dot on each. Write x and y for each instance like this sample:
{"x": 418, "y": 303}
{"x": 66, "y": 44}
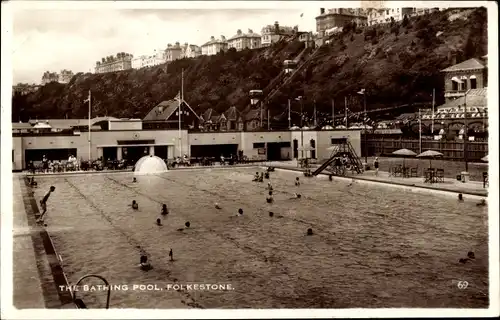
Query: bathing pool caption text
{"x": 150, "y": 287}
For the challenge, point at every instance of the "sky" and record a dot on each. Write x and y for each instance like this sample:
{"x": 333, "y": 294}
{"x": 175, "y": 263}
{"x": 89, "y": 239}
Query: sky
{"x": 73, "y": 35}
{"x": 55, "y": 39}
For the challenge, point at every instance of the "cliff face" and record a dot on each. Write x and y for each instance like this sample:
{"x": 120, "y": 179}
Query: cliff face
{"x": 396, "y": 65}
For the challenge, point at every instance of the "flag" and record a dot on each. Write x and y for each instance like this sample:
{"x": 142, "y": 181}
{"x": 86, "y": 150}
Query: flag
{"x": 178, "y": 96}
{"x": 362, "y": 91}
{"x": 301, "y": 15}
{"x": 88, "y": 99}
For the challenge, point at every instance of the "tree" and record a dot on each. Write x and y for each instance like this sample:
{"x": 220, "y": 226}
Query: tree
{"x": 470, "y": 48}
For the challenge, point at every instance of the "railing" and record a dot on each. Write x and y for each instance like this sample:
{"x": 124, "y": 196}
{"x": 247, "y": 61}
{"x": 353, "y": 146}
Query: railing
{"x": 451, "y": 150}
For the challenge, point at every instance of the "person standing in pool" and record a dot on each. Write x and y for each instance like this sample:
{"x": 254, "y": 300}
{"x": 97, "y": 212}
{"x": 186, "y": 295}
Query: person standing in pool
{"x": 43, "y": 203}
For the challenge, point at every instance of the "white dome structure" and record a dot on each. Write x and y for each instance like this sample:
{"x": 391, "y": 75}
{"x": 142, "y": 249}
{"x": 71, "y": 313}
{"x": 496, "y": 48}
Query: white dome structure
{"x": 150, "y": 165}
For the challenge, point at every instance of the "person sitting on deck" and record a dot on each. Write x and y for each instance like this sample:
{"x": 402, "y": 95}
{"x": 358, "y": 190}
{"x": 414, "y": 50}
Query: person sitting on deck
{"x": 270, "y": 169}
{"x": 266, "y": 175}
{"x": 33, "y": 183}
{"x": 164, "y": 210}
{"x": 296, "y": 196}
{"x": 269, "y": 198}
{"x": 481, "y": 203}
{"x": 261, "y": 177}
{"x": 135, "y": 205}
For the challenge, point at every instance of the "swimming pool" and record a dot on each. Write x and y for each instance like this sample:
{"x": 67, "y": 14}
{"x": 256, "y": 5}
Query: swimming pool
{"x": 373, "y": 245}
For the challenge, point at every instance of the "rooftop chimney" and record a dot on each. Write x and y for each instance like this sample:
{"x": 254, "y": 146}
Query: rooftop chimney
{"x": 238, "y": 32}
{"x": 212, "y": 38}
{"x": 250, "y": 31}
{"x": 223, "y": 38}
{"x": 321, "y": 10}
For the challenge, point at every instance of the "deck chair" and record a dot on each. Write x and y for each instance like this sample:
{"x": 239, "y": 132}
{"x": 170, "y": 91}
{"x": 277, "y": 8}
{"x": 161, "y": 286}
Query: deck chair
{"x": 440, "y": 175}
{"x": 414, "y": 172}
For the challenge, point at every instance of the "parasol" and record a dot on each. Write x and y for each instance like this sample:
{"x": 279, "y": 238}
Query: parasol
{"x": 404, "y": 153}
{"x": 431, "y": 154}
{"x": 485, "y": 158}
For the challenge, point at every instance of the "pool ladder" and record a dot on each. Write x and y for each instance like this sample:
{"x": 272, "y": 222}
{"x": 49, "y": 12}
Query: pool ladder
{"x": 79, "y": 302}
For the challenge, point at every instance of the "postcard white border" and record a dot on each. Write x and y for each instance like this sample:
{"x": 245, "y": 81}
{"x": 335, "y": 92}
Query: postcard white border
{"x": 6, "y": 171}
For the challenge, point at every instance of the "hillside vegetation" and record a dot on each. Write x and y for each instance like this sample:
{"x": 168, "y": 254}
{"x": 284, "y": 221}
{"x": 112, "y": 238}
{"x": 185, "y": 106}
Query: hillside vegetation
{"x": 397, "y": 63}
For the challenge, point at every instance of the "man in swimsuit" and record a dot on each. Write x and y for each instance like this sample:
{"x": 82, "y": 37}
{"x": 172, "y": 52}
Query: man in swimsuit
{"x": 43, "y": 203}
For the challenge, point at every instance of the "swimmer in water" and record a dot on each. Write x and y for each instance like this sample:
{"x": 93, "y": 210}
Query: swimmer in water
{"x": 297, "y": 181}
{"x": 269, "y": 186}
{"x": 134, "y": 180}
{"x": 296, "y": 196}
{"x": 309, "y": 232}
{"x": 33, "y": 183}
{"x": 158, "y": 222}
{"x": 164, "y": 210}
{"x": 171, "y": 255}
{"x": 217, "y": 206}
{"x": 135, "y": 205}
{"x": 240, "y": 212}
{"x": 270, "y": 198}
{"x": 352, "y": 182}
{"x": 481, "y": 203}
{"x": 460, "y": 197}
{"x": 144, "y": 264}
{"x": 256, "y": 177}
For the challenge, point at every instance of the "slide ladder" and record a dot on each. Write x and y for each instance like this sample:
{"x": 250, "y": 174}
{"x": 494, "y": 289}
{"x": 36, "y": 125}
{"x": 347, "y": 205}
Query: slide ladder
{"x": 341, "y": 149}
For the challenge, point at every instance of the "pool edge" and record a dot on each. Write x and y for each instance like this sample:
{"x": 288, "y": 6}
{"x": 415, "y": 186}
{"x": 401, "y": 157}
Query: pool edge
{"x": 58, "y": 276}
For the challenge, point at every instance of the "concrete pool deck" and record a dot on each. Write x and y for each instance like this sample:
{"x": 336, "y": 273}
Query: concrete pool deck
{"x": 474, "y": 188}
{"x": 37, "y": 272}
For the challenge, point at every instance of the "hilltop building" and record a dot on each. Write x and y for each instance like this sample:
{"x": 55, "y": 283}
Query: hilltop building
{"x": 157, "y": 58}
{"x": 190, "y": 51}
{"x": 273, "y": 33}
{"x": 173, "y": 52}
{"x": 122, "y": 61}
{"x": 49, "y": 77}
{"x": 380, "y": 16}
{"x": 242, "y": 40}
{"x": 333, "y": 20}
{"x": 65, "y": 76}
{"x": 24, "y": 88}
{"x": 214, "y": 46}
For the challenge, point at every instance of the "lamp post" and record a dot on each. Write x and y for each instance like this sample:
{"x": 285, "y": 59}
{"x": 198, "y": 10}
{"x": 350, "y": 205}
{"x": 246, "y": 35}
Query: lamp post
{"x": 465, "y": 132}
{"x": 363, "y": 92}
{"x": 299, "y": 98}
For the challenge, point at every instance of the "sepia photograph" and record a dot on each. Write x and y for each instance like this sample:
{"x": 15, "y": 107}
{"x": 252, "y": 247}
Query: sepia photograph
{"x": 288, "y": 158}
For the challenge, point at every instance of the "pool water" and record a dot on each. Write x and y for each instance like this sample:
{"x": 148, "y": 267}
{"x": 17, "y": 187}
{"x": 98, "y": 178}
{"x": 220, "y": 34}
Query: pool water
{"x": 374, "y": 245}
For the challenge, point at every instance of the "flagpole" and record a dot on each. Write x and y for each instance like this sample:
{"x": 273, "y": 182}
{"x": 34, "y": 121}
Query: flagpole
{"x": 333, "y": 113}
{"x": 345, "y": 107}
{"x": 289, "y": 115}
{"x": 419, "y": 131}
{"x": 180, "y": 111}
{"x": 268, "y": 124}
{"x": 90, "y": 138}
{"x": 432, "y": 123}
{"x": 315, "y": 120}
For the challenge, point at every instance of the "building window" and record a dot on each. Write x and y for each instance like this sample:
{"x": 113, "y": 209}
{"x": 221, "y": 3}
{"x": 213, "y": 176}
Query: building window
{"x": 454, "y": 85}
{"x": 258, "y": 145}
{"x": 473, "y": 83}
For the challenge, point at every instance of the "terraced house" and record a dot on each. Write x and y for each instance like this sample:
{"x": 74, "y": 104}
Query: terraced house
{"x": 242, "y": 40}
{"x": 122, "y": 61}
{"x": 214, "y": 46}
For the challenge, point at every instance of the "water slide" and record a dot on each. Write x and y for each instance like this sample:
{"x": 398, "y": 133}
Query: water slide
{"x": 323, "y": 166}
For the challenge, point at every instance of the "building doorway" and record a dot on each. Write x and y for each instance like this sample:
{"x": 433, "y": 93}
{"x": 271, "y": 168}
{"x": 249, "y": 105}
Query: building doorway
{"x": 274, "y": 151}
{"x": 214, "y": 150}
{"x": 295, "y": 148}
{"x": 133, "y": 154}
{"x": 161, "y": 152}
{"x": 313, "y": 148}
{"x": 109, "y": 153}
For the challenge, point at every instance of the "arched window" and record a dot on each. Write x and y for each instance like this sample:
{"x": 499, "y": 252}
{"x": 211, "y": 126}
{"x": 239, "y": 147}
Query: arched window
{"x": 473, "y": 82}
